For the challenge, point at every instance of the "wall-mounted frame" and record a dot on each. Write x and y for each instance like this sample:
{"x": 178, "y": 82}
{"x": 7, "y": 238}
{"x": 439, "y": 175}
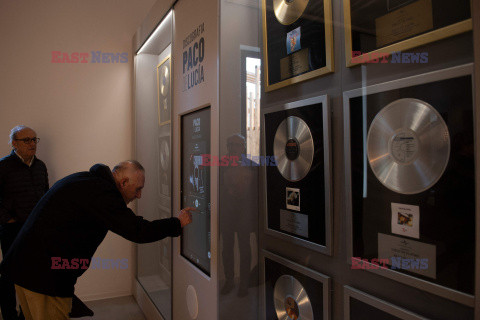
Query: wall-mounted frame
{"x": 299, "y": 205}
{"x": 164, "y": 91}
{"x": 371, "y": 206}
{"x": 164, "y": 170}
{"x": 358, "y": 305}
{"x": 297, "y": 41}
{"x": 281, "y": 278}
{"x": 377, "y": 28}
{"x": 195, "y": 187}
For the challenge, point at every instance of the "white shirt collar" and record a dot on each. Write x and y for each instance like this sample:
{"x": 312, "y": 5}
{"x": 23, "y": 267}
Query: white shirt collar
{"x": 28, "y": 164}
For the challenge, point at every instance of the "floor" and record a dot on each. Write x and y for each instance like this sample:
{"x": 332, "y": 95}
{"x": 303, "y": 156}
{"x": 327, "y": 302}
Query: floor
{"x": 123, "y": 308}
{"x": 159, "y": 292}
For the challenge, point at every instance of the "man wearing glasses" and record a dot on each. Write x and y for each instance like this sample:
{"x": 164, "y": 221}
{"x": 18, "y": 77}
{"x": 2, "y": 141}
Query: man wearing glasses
{"x": 23, "y": 181}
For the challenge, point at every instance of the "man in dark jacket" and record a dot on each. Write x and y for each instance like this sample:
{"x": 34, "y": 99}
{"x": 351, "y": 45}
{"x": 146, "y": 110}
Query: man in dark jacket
{"x": 23, "y": 181}
{"x": 57, "y": 242}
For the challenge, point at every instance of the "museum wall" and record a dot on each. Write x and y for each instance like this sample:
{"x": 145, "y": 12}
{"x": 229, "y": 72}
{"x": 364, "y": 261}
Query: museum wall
{"x": 81, "y": 111}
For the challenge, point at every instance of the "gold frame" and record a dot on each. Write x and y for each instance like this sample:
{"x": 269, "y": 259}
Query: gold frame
{"x": 416, "y": 41}
{"x": 329, "y": 67}
{"x": 160, "y": 123}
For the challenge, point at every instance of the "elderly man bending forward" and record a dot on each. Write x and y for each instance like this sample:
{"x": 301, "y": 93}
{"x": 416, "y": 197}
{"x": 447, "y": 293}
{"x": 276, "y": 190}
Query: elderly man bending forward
{"x": 70, "y": 222}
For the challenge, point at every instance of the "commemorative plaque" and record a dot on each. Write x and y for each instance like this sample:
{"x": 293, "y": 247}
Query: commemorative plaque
{"x": 298, "y": 41}
{"x": 410, "y": 144}
{"x": 379, "y": 27}
{"x": 298, "y": 186}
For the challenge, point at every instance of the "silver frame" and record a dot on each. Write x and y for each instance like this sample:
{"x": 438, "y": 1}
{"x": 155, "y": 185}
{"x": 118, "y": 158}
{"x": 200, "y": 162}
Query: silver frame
{"x": 324, "y": 279}
{"x": 180, "y": 116}
{"x": 327, "y": 249}
{"x": 463, "y": 70}
{"x": 349, "y": 292}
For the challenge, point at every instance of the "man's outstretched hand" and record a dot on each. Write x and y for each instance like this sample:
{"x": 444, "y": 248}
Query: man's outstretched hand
{"x": 185, "y": 216}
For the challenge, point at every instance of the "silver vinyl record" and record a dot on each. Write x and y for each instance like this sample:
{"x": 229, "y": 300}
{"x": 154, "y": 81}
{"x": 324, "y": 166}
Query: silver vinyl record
{"x": 291, "y": 300}
{"x": 164, "y": 155}
{"x": 164, "y": 80}
{"x": 408, "y": 146}
{"x": 293, "y": 148}
{"x": 288, "y": 11}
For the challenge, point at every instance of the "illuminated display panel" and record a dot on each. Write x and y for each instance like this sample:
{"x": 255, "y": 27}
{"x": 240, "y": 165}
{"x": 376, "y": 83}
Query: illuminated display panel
{"x": 195, "y": 189}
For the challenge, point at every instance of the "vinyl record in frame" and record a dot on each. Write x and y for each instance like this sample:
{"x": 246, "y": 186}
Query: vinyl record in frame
{"x": 164, "y": 76}
{"x": 293, "y": 291}
{"x": 417, "y": 218}
{"x": 298, "y": 188}
{"x": 297, "y": 41}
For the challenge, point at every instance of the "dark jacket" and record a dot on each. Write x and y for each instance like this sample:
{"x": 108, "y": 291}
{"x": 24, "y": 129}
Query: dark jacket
{"x": 21, "y": 187}
{"x": 70, "y": 222}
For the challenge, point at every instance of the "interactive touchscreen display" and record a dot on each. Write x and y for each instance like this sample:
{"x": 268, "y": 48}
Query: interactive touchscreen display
{"x": 196, "y": 187}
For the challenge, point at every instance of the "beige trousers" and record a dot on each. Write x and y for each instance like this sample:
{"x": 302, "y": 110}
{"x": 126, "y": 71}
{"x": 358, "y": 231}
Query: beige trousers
{"x": 37, "y": 306}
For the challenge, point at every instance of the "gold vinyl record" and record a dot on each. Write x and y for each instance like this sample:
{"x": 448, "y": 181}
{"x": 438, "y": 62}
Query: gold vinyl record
{"x": 293, "y": 148}
{"x": 408, "y": 146}
{"x": 291, "y": 300}
{"x": 288, "y": 11}
{"x": 164, "y": 80}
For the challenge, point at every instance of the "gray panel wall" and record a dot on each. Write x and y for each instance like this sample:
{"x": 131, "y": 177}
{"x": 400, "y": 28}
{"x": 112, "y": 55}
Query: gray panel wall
{"x": 442, "y": 54}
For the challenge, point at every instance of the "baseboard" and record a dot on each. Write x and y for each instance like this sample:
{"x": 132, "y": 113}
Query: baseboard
{"x": 104, "y": 295}
{"x": 144, "y": 302}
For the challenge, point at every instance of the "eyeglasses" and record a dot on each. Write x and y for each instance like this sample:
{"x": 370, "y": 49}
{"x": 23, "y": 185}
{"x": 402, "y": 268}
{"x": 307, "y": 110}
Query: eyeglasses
{"x": 28, "y": 140}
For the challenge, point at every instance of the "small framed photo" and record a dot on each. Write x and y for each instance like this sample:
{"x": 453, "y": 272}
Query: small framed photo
{"x": 293, "y": 198}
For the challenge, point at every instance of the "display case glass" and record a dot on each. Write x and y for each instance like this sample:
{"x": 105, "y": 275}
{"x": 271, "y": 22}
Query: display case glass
{"x": 379, "y": 28}
{"x": 410, "y": 180}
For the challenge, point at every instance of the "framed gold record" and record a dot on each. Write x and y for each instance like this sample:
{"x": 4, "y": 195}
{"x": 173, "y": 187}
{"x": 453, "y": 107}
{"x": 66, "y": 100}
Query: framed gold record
{"x": 378, "y": 28}
{"x": 164, "y": 91}
{"x": 297, "y": 41}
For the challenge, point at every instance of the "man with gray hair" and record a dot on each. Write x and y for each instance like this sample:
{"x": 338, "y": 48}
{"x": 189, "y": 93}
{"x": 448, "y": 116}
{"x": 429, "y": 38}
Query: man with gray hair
{"x": 23, "y": 181}
{"x": 57, "y": 243}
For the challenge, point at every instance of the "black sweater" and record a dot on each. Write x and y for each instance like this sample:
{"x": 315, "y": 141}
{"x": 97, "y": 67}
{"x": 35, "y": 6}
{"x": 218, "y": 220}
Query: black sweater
{"x": 70, "y": 222}
{"x": 21, "y": 187}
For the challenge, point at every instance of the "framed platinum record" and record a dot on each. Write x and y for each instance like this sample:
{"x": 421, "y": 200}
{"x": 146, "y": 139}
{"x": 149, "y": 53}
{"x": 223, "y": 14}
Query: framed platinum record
{"x": 410, "y": 181}
{"x": 298, "y": 182}
{"x": 362, "y": 306}
{"x": 292, "y": 291}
